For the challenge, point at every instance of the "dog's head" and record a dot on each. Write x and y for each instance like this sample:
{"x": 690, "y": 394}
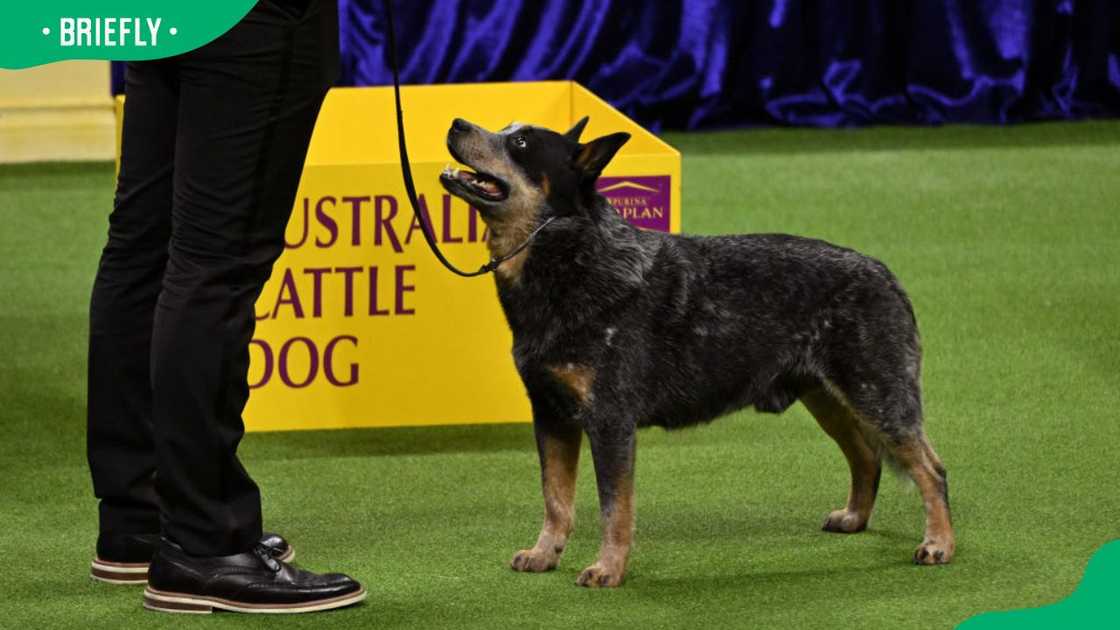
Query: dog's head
{"x": 517, "y": 174}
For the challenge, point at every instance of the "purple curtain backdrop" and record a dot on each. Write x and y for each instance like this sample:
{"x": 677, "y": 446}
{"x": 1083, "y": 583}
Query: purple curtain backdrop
{"x": 711, "y": 63}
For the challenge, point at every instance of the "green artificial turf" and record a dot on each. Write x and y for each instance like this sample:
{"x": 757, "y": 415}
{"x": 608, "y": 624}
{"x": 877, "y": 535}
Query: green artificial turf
{"x": 1008, "y": 240}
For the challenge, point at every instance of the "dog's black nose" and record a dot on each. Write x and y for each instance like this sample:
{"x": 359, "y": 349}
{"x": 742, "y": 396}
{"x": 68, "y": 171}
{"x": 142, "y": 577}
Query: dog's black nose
{"x": 459, "y": 125}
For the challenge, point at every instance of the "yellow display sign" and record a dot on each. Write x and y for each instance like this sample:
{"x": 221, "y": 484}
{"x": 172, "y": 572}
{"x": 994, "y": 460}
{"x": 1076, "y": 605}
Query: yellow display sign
{"x": 360, "y": 325}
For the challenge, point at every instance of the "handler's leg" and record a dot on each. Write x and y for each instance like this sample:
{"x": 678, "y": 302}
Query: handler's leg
{"x": 119, "y": 440}
{"x": 248, "y": 104}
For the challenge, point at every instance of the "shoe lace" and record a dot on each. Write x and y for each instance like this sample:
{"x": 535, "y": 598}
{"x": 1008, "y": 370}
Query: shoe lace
{"x": 265, "y": 555}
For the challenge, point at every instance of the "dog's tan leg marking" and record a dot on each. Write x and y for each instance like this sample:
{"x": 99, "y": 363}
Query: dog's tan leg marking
{"x": 559, "y": 464}
{"x": 842, "y": 425}
{"x": 618, "y": 535}
{"x": 579, "y": 379}
{"x": 923, "y": 465}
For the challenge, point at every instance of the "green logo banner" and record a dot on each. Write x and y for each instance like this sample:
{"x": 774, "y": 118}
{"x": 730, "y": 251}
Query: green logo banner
{"x": 34, "y": 33}
{"x": 1092, "y": 606}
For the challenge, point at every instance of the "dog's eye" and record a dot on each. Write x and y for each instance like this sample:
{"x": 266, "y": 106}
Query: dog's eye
{"x": 519, "y": 142}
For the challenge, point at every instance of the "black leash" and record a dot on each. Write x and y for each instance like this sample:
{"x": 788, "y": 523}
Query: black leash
{"x": 406, "y": 172}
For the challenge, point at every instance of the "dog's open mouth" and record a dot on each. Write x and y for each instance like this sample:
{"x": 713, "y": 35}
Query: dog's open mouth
{"x": 481, "y": 185}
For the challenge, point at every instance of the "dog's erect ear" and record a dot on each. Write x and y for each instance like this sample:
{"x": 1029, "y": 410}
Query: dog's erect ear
{"x": 577, "y": 129}
{"x": 593, "y": 157}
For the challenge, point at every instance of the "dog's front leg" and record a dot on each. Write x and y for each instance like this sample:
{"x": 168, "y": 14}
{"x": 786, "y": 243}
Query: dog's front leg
{"x": 558, "y": 447}
{"x": 613, "y": 452}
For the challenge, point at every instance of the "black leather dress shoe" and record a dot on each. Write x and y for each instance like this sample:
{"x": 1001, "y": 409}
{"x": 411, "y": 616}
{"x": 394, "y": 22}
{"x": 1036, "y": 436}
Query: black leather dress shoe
{"x": 124, "y": 558}
{"x": 253, "y": 581}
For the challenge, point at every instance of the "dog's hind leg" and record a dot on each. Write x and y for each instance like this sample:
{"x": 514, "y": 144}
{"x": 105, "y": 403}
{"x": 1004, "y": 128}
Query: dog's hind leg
{"x": 917, "y": 457}
{"x": 613, "y": 451}
{"x": 841, "y": 424}
{"x": 890, "y": 411}
{"x": 558, "y": 447}
{"x": 891, "y": 407}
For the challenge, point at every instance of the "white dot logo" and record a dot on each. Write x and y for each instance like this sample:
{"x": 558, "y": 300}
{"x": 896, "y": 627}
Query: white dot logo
{"x": 46, "y": 30}
{"x": 173, "y": 31}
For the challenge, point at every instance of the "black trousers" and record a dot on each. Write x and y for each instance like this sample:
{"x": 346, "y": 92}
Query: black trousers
{"x": 213, "y": 147}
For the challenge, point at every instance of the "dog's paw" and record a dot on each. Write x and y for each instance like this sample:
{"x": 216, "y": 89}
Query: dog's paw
{"x": 534, "y": 560}
{"x": 599, "y": 576}
{"x": 934, "y": 552}
{"x": 844, "y": 522}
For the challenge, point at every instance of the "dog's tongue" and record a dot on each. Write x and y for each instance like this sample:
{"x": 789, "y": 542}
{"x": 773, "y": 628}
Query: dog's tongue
{"x": 480, "y": 182}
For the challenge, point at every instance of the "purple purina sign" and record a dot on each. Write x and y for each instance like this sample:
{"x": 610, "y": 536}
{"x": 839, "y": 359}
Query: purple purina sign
{"x": 641, "y": 200}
